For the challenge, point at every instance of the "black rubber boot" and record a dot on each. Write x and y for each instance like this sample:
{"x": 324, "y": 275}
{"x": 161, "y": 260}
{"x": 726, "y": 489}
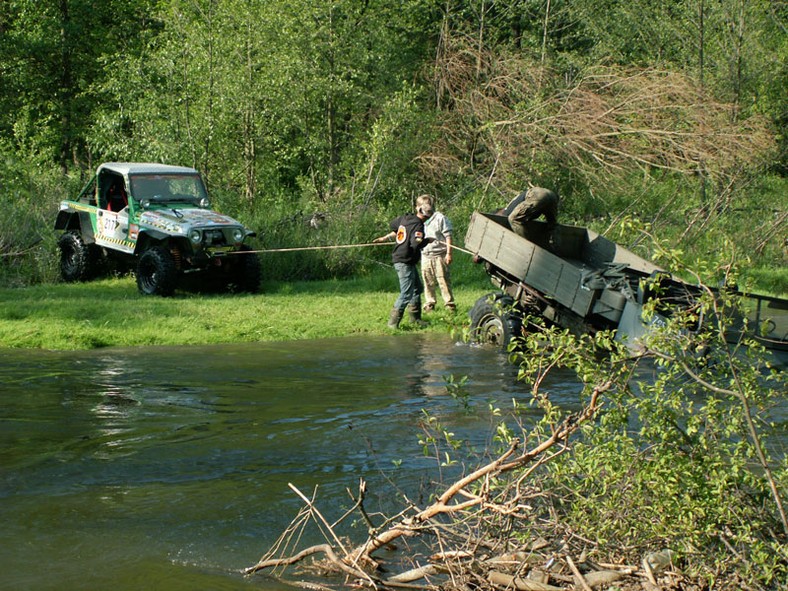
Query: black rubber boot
{"x": 414, "y": 313}
{"x": 394, "y": 318}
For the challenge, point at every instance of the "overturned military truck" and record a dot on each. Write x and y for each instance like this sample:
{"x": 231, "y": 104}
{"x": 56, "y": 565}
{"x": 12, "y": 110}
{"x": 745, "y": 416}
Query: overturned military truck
{"x": 579, "y": 280}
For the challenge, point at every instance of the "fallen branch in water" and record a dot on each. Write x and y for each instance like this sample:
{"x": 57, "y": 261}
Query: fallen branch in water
{"x": 358, "y": 562}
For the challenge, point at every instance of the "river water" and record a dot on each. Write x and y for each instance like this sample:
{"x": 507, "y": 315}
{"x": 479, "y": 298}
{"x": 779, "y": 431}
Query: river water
{"x": 168, "y": 468}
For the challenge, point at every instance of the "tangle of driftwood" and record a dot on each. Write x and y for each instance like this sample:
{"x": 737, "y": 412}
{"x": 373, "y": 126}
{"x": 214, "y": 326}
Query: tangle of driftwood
{"x": 358, "y": 562}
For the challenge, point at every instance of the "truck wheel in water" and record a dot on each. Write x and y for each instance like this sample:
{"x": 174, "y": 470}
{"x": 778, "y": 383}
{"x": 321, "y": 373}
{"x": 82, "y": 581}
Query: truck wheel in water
{"x": 494, "y": 320}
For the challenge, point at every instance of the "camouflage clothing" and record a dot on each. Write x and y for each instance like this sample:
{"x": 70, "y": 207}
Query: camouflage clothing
{"x": 435, "y": 260}
{"x": 529, "y": 205}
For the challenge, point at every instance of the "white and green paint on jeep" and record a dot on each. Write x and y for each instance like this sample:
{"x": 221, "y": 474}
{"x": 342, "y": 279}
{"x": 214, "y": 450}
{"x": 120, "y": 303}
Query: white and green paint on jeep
{"x": 154, "y": 217}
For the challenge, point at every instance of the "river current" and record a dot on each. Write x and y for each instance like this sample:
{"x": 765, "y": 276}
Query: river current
{"x": 167, "y": 468}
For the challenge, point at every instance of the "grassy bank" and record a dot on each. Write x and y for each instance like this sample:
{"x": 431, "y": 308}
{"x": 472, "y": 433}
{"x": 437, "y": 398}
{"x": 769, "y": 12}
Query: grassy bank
{"x": 111, "y": 313}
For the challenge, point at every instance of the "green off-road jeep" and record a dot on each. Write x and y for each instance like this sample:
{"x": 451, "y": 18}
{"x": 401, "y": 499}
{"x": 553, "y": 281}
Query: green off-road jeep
{"x": 155, "y": 218}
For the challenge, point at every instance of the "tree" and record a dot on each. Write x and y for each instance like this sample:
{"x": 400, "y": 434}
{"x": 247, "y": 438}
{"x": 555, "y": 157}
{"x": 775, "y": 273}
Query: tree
{"x": 517, "y": 119}
{"x": 53, "y": 54}
{"x": 288, "y": 91}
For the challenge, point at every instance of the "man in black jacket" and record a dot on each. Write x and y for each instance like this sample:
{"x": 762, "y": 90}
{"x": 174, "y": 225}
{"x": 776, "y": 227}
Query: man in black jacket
{"x": 408, "y": 230}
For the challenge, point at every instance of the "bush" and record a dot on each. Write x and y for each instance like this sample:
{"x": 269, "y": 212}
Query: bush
{"x": 30, "y": 199}
{"x": 307, "y": 243}
{"x": 678, "y": 457}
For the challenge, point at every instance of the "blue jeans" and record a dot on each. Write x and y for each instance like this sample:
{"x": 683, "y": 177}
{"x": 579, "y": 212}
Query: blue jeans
{"x": 409, "y": 286}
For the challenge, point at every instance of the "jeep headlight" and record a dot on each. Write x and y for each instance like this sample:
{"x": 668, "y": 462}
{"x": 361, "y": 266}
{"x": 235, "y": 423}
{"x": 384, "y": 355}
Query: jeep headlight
{"x": 204, "y": 203}
{"x": 195, "y": 236}
{"x": 238, "y": 235}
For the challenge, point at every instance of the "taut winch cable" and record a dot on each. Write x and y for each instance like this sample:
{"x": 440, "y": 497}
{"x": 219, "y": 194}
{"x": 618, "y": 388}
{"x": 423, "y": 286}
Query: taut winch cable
{"x": 333, "y": 246}
{"x": 297, "y": 248}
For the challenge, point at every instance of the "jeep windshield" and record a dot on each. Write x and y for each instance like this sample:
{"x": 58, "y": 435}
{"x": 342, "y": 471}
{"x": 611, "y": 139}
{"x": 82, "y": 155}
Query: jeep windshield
{"x": 168, "y": 188}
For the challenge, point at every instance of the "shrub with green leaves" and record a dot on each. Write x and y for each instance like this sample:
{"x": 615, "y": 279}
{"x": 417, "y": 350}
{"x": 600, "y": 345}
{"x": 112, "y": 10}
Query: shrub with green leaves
{"x": 679, "y": 456}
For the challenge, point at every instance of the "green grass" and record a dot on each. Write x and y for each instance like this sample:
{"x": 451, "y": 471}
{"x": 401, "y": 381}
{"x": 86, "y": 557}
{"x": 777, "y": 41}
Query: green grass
{"x": 769, "y": 280}
{"x": 111, "y": 313}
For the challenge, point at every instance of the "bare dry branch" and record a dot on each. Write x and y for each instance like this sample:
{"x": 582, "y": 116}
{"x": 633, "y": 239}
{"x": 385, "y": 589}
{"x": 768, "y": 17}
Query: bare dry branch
{"x": 578, "y": 575}
{"x": 604, "y": 123}
{"x": 509, "y": 582}
{"x": 317, "y": 549}
{"x": 351, "y": 561}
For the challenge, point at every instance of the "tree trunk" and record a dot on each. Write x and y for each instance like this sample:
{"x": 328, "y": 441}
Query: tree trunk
{"x": 66, "y": 88}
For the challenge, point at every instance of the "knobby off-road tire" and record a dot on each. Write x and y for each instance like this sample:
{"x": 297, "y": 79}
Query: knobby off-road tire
{"x": 246, "y": 272}
{"x": 494, "y": 321}
{"x": 156, "y": 272}
{"x": 78, "y": 261}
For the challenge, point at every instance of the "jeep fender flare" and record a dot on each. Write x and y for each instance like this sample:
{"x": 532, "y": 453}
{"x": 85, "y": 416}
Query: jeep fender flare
{"x": 68, "y": 219}
{"x": 149, "y": 237}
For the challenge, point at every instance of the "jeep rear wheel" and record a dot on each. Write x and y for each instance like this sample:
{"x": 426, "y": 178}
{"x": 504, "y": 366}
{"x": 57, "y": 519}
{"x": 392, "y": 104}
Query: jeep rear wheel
{"x": 156, "y": 272}
{"x": 77, "y": 259}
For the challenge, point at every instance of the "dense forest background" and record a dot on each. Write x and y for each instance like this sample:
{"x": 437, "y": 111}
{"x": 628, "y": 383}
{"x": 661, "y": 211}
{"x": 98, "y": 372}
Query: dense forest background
{"x": 670, "y": 113}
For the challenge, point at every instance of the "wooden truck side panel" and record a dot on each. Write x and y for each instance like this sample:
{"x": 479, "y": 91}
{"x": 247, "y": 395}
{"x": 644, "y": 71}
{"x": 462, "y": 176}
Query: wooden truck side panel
{"x": 555, "y": 277}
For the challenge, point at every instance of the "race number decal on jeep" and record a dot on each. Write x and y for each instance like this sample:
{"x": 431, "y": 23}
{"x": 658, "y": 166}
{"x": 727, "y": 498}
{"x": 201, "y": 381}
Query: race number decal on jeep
{"x": 112, "y": 229}
{"x": 108, "y": 223}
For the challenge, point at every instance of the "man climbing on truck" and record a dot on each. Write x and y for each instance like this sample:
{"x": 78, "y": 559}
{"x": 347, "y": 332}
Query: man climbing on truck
{"x": 531, "y": 204}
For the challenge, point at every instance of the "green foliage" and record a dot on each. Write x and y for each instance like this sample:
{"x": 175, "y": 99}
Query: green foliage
{"x": 770, "y": 279}
{"x": 437, "y": 441}
{"x": 678, "y": 457}
{"x": 457, "y": 390}
{"x": 713, "y": 238}
{"x": 329, "y": 107}
{"x": 52, "y": 75}
{"x": 386, "y": 169}
{"x": 262, "y": 96}
{"x": 30, "y": 199}
{"x": 313, "y": 233}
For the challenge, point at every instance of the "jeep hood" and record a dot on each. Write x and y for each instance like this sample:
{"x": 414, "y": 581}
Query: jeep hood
{"x": 180, "y": 221}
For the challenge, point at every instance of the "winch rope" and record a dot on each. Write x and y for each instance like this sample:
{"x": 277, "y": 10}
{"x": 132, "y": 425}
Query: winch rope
{"x": 460, "y": 248}
{"x": 334, "y": 246}
{"x": 298, "y": 248}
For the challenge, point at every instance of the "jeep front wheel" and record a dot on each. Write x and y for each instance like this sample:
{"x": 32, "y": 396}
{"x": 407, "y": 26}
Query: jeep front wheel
{"x": 76, "y": 258}
{"x": 156, "y": 272}
{"x": 246, "y": 272}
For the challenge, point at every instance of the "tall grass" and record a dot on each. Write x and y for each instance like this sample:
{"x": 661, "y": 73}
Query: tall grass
{"x": 29, "y": 199}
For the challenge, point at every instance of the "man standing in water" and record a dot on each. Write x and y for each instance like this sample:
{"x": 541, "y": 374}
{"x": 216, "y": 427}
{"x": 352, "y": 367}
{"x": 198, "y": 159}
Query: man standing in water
{"x": 408, "y": 230}
{"x": 436, "y": 256}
